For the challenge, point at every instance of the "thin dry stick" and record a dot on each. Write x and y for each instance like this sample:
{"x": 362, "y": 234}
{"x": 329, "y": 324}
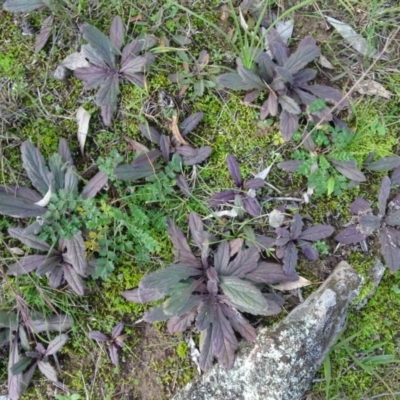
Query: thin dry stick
{"x": 353, "y": 88}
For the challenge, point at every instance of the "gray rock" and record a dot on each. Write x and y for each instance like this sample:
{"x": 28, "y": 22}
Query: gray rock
{"x": 283, "y": 360}
{"x": 60, "y": 73}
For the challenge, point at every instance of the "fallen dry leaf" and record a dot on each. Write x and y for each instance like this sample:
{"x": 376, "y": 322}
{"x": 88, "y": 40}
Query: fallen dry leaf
{"x": 45, "y": 200}
{"x": 134, "y": 145}
{"x": 235, "y": 245}
{"x": 83, "y": 118}
{"x": 176, "y": 132}
{"x": 242, "y": 21}
{"x": 373, "y": 88}
{"x": 225, "y": 11}
{"x": 356, "y": 41}
{"x": 74, "y": 61}
{"x": 138, "y": 17}
{"x": 325, "y": 62}
{"x": 301, "y": 282}
{"x": 16, "y": 251}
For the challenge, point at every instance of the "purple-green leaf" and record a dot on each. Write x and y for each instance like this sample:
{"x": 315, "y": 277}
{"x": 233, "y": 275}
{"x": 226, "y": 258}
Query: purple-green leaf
{"x": 181, "y": 323}
{"x": 267, "y": 272}
{"x": 239, "y": 323}
{"x": 371, "y": 222}
{"x": 296, "y": 226}
{"x": 150, "y": 133}
{"x": 23, "y": 5}
{"x": 224, "y": 342}
{"x": 182, "y": 250}
{"x": 285, "y": 75}
{"x": 21, "y": 365}
{"x": 222, "y": 257}
{"x": 255, "y": 183}
{"x": 360, "y": 205}
{"x": 304, "y": 76}
{"x": 288, "y": 124}
{"x": 385, "y": 164}
{"x": 35, "y": 167}
{"x": 251, "y": 97}
{"x": 100, "y": 43}
{"x": 117, "y": 32}
{"x": 92, "y": 76}
{"x": 309, "y": 250}
{"x": 244, "y": 262}
{"x": 266, "y": 67}
{"x": 74, "y": 280}
{"x": 142, "y": 296}
{"x": 350, "y": 235}
{"x": 396, "y": 176}
{"x": 221, "y": 198}
{"x": 383, "y": 195}
{"x": 393, "y": 219}
{"x": 117, "y": 330}
{"x": 155, "y": 314}
{"x": 389, "y": 239}
{"x": 94, "y": 185}
{"x": 190, "y": 123}
{"x": 317, "y": 232}
{"x": 250, "y": 78}
{"x": 113, "y": 352}
{"x": 193, "y": 156}
{"x": 51, "y": 262}
{"x": 251, "y": 205}
{"x": 165, "y": 279}
{"x": 31, "y": 241}
{"x": 75, "y": 253}
{"x": 56, "y": 344}
{"x": 290, "y": 166}
{"x": 45, "y": 32}
{"x": 206, "y": 349}
{"x": 232, "y": 80}
{"x": 58, "y": 323}
{"x": 109, "y": 90}
{"x": 244, "y": 295}
{"x": 327, "y": 93}
{"x": 301, "y": 57}
{"x": 349, "y": 170}
{"x": 14, "y": 381}
{"x": 234, "y": 170}
{"x": 28, "y": 264}
{"x": 289, "y": 105}
{"x": 48, "y": 370}
{"x": 290, "y": 259}
{"x": 99, "y": 336}
{"x": 165, "y": 147}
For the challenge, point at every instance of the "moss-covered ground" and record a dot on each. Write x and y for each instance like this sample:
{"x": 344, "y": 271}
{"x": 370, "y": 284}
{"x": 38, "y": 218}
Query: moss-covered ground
{"x": 35, "y": 106}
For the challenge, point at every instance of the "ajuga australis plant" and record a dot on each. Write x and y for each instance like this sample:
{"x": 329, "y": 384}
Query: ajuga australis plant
{"x": 285, "y": 84}
{"x": 212, "y": 289}
{"x": 39, "y": 358}
{"x": 67, "y": 262}
{"x": 327, "y": 163}
{"x": 289, "y": 237}
{"x": 249, "y": 203}
{"x": 55, "y": 204}
{"x": 198, "y": 75}
{"x": 170, "y": 145}
{"x": 110, "y": 64}
{"x": 56, "y": 182}
{"x": 115, "y": 341}
{"x": 364, "y": 223}
{"x": 16, "y": 333}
